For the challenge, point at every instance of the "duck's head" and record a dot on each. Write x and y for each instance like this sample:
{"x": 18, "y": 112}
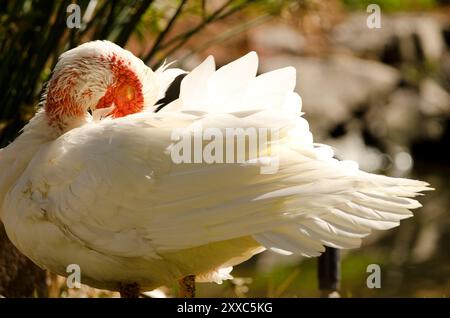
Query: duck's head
{"x": 98, "y": 75}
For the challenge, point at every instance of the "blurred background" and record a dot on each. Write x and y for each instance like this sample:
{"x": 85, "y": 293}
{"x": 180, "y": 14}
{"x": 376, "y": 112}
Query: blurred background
{"x": 379, "y": 96}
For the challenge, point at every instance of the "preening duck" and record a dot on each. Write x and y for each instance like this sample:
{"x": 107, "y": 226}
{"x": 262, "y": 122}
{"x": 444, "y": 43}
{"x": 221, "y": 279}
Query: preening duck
{"x": 99, "y": 179}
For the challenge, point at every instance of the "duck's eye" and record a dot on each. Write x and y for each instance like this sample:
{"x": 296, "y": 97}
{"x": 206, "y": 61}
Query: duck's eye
{"x": 125, "y": 93}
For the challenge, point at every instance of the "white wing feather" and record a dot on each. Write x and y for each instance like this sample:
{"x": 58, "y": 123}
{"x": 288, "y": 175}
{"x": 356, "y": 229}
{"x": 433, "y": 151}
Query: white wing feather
{"x": 112, "y": 185}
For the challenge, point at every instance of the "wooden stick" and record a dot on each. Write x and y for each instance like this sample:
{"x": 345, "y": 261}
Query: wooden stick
{"x": 329, "y": 272}
{"x": 129, "y": 290}
{"x": 187, "y": 287}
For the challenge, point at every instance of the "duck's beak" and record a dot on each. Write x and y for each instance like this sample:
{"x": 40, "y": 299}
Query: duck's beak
{"x": 101, "y": 113}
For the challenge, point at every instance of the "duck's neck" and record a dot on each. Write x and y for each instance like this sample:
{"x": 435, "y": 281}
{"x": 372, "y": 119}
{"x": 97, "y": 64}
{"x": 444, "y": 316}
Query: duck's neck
{"x": 40, "y": 129}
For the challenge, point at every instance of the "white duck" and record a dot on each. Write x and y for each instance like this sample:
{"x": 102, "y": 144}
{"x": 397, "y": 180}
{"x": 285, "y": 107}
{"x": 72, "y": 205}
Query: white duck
{"x": 106, "y": 194}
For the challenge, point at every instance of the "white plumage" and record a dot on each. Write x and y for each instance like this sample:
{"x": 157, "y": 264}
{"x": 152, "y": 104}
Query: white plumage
{"x": 106, "y": 195}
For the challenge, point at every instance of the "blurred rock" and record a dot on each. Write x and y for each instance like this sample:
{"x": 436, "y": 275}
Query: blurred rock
{"x": 351, "y": 146}
{"x": 334, "y": 88}
{"x": 402, "y": 37}
{"x": 277, "y": 38}
{"x": 397, "y": 121}
{"x": 431, "y": 38}
{"x": 435, "y": 99}
{"x": 353, "y": 34}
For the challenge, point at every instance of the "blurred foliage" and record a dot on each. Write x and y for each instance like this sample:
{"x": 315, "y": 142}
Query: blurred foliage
{"x": 33, "y": 33}
{"x": 392, "y": 5}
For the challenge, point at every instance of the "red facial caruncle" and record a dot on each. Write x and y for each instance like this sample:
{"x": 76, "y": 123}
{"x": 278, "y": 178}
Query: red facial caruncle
{"x": 126, "y": 91}
{"x": 72, "y": 87}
